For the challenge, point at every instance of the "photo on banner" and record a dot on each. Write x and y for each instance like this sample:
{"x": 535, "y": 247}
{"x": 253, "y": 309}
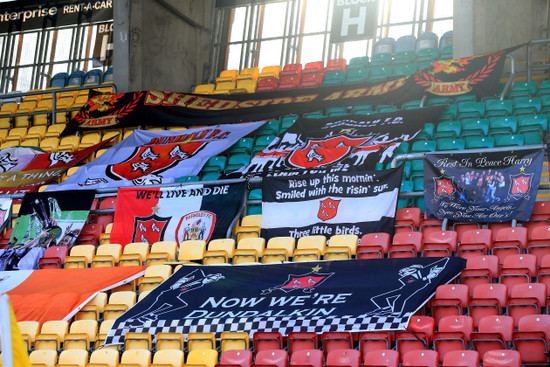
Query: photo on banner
{"x": 340, "y": 203}
{"x": 482, "y": 187}
{"x": 190, "y": 212}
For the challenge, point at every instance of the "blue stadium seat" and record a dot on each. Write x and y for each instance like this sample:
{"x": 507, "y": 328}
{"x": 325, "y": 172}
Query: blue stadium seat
{"x": 497, "y": 107}
{"x": 527, "y": 105}
{"x": 93, "y": 77}
{"x": 503, "y": 125}
{"x": 473, "y": 126}
{"x": 59, "y": 80}
{"x": 383, "y": 51}
{"x": 525, "y": 89}
{"x": 427, "y": 47}
{"x": 446, "y": 45}
{"x": 108, "y": 75}
{"x": 405, "y": 50}
{"x": 448, "y": 129}
{"x": 76, "y": 78}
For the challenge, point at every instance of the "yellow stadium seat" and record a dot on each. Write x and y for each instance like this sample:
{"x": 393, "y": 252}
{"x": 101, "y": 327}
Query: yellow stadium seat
{"x": 224, "y": 86}
{"x": 119, "y": 302}
{"x": 228, "y": 74}
{"x": 167, "y": 341}
{"x": 103, "y": 330}
{"x": 51, "y": 335}
{"x": 55, "y": 130}
{"x": 204, "y": 89}
{"x": 80, "y": 101}
{"x": 107, "y": 255}
{"x": 249, "y": 250}
{"x": 5, "y": 122}
{"x": 106, "y": 235}
{"x": 279, "y": 249}
{"x": 17, "y": 133}
{"x": 143, "y": 294}
{"x": 176, "y": 128}
{"x": 82, "y": 335}
{"x": 116, "y": 134}
{"x": 219, "y": 251}
{"x": 9, "y": 144}
{"x": 249, "y": 73}
{"x": 168, "y": 358}
{"x": 310, "y": 248}
{"x": 36, "y": 132}
{"x": 24, "y": 108}
{"x": 46, "y": 358}
{"x": 29, "y": 331}
{"x": 133, "y": 340}
{"x": 49, "y": 144}
{"x": 127, "y": 133}
{"x": 63, "y": 103}
{"x": 134, "y": 254}
{"x": 31, "y": 142}
{"x": 250, "y": 227}
{"x": 36, "y": 97}
{"x": 69, "y": 143}
{"x": 93, "y": 309}
{"x": 3, "y": 134}
{"x": 201, "y": 341}
{"x": 162, "y": 252}
{"x": 201, "y": 357}
{"x": 244, "y": 86}
{"x": 9, "y": 108}
{"x": 80, "y": 256}
{"x": 135, "y": 357}
{"x": 270, "y": 71}
{"x": 89, "y": 139}
{"x": 341, "y": 247}
{"x": 99, "y": 152}
{"x": 154, "y": 275}
{"x": 191, "y": 250}
{"x": 73, "y": 358}
{"x": 234, "y": 340}
{"x": 104, "y": 358}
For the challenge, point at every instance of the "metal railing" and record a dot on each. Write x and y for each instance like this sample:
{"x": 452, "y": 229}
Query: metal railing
{"x": 529, "y": 58}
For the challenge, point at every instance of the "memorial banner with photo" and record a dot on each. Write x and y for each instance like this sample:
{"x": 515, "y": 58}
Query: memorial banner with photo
{"x": 156, "y": 157}
{"x": 191, "y": 212}
{"x": 477, "y": 75}
{"x": 338, "y": 144}
{"x": 482, "y": 187}
{"x": 356, "y": 203}
{"x": 344, "y": 295}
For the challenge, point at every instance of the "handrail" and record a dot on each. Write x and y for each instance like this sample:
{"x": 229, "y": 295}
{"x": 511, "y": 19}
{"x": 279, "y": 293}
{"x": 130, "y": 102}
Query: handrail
{"x": 511, "y": 77}
{"x": 529, "y": 57}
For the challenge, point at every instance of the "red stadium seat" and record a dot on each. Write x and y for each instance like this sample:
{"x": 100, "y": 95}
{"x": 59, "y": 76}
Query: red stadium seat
{"x": 518, "y": 269}
{"x": 108, "y": 203}
{"x": 532, "y": 339}
{"x": 264, "y": 340}
{"x": 335, "y": 65}
{"x": 381, "y": 358}
{"x": 461, "y": 227}
{"x": 461, "y": 358}
{"x": 475, "y": 242}
{"x": 539, "y": 242}
{"x": 526, "y": 299}
{"x": 54, "y": 257}
{"x": 429, "y": 225}
{"x": 450, "y": 300}
{"x": 312, "y": 75}
{"x": 267, "y": 84}
{"x": 344, "y": 358}
{"x": 487, "y": 300}
{"x": 236, "y": 357}
{"x": 480, "y": 269}
{"x": 301, "y": 340}
{"x": 497, "y": 226}
{"x": 335, "y": 340}
{"x": 419, "y": 334}
{"x": 374, "y": 340}
{"x": 494, "y": 332}
{"x": 439, "y": 243}
{"x": 373, "y": 245}
{"x": 90, "y": 233}
{"x": 424, "y": 358}
{"x": 407, "y": 219}
{"x": 543, "y": 273}
{"x": 406, "y": 244}
{"x": 307, "y": 357}
{"x": 274, "y": 357}
{"x": 453, "y": 334}
{"x": 509, "y": 241}
{"x": 502, "y": 358}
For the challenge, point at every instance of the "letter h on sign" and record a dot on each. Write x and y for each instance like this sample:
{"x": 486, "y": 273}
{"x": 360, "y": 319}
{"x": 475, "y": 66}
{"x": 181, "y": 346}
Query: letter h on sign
{"x": 353, "y": 20}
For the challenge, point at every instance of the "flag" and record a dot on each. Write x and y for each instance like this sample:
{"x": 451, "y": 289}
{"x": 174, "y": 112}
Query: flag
{"x": 190, "y": 212}
{"x": 344, "y": 295}
{"x": 334, "y": 144}
{"x": 156, "y": 157}
{"x": 477, "y": 75}
{"x": 58, "y": 294}
{"x": 329, "y": 204}
{"x": 5, "y": 212}
{"x": 14, "y": 350}
{"x": 482, "y": 187}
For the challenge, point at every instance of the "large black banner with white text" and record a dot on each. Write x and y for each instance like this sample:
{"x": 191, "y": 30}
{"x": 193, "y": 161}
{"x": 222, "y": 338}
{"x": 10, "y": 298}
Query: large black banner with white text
{"x": 329, "y": 204}
{"x": 482, "y": 187}
{"x": 348, "y": 295}
{"x": 338, "y": 144}
{"x": 477, "y": 75}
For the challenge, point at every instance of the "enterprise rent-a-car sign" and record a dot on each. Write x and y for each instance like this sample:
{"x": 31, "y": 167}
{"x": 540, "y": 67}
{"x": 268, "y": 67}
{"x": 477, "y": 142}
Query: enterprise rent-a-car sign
{"x": 353, "y": 20}
{"x": 27, "y": 15}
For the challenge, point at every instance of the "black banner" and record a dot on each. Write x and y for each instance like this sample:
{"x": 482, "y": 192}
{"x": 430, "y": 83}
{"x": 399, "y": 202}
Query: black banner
{"x": 25, "y": 16}
{"x": 329, "y": 204}
{"x": 477, "y": 75}
{"x": 338, "y": 144}
{"x": 348, "y": 295}
{"x": 482, "y": 187}
{"x": 353, "y": 20}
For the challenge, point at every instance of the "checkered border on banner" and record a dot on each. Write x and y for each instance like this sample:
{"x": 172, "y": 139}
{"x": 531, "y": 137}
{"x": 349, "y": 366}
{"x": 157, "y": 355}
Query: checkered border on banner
{"x": 282, "y": 325}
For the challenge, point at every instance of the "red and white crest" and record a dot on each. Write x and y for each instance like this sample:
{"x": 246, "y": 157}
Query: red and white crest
{"x": 444, "y": 186}
{"x": 150, "y": 229}
{"x": 322, "y": 152}
{"x": 152, "y": 159}
{"x": 521, "y": 184}
{"x": 328, "y": 209}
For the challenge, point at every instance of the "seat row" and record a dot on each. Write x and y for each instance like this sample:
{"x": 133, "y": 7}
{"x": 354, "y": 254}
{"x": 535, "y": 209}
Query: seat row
{"x": 79, "y": 78}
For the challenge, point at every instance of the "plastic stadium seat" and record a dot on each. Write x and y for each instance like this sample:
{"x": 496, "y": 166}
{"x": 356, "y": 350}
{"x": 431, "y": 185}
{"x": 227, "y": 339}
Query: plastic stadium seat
{"x": 374, "y": 340}
{"x": 59, "y": 80}
{"x": 344, "y": 358}
{"x": 497, "y": 107}
{"x": 104, "y": 357}
{"x": 289, "y": 77}
{"x": 103, "y": 330}
{"x": 381, "y": 358}
{"x": 272, "y": 357}
{"x": 167, "y": 358}
{"x": 200, "y": 341}
{"x": 267, "y": 84}
{"x": 208, "y": 358}
{"x": 136, "y": 357}
{"x": 233, "y": 340}
{"x": 236, "y": 357}
{"x": 502, "y": 358}
{"x": 46, "y": 358}
{"x": 265, "y": 340}
{"x": 161, "y": 252}
{"x": 373, "y": 245}
{"x": 475, "y": 242}
{"x": 333, "y": 78}
{"x": 528, "y": 89}
{"x": 509, "y": 140}
{"x": 526, "y": 299}
{"x": 270, "y": 71}
{"x": 279, "y": 249}
{"x": 494, "y": 332}
{"x": 249, "y": 250}
{"x": 119, "y": 302}
{"x": 419, "y": 335}
{"x": 154, "y": 275}
{"x": 228, "y": 74}
{"x": 487, "y": 300}
{"x": 448, "y": 129}
{"x": 517, "y": 269}
{"x": 539, "y": 243}
{"x": 509, "y": 240}
{"x": 406, "y": 244}
{"x": 93, "y": 309}
{"x": 309, "y": 357}
{"x": 219, "y": 251}
{"x": 382, "y": 51}
{"x": 336, "y": 340}
{"x": 191, "y": 250}
{"x": 341, "y": 247}
{"x": 407, "y": 218}
{"x": 543, "y": 273}
{"x": 439, "y": 243}
{"x": 453, "y": 334}
{"x": 54, "y": 257}
{"x": 312, "y": 75}
{"x": 51, "y": 335}
{"x": 82, "y": 335}
{"x": 461, "y": 358}
{"x": 29, "y": 331}
{"x": 532, "y": 338}
{"x": 503, "y": 125}
{"x": 309, "y": 248}
{"x": 449, "y": 300}
{"x": 301, "y": 341}
{"x": 426, "y": 358}
{"x": 107, "y": 255}
{"x": 134, "y": 254}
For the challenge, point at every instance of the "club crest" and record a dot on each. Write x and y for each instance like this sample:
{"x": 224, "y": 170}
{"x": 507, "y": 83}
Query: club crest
{"x": 197, "y": 225}
{"x": 520, "y": 185}
{"x": 319, "y": 153}
{"x": 443, "y": 186}
{"x": 150, "y": 229}
{"x": 328, "y": 209}
{"x": 306, "y": 282}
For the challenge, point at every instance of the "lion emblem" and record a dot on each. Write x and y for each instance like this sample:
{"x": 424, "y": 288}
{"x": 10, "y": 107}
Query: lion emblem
{"x": 103, "y": 102}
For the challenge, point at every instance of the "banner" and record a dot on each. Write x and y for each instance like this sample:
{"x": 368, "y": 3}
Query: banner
{"x": 156, "y": 157}
{"x": 14, "y": 350}
{"x": 482, "y": 187}
{"x": 338, "y": 144}
{"x": 25, "y": 169}
{"x": 58, "y": 294}
{"x": 15, "y": 17}
{"x": 329, "y": 204}
{"x": 477, "y": 75}
{"x": 345, "y": 295}
{"x": 5, "y": 212}
{"x": 195, "y": 212}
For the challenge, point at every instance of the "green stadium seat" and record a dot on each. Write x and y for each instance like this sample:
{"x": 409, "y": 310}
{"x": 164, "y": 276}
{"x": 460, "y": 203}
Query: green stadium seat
{"x": 448, "y": 129}
{"x": 255, "y": 194}
{"x": 439, "y": 101}
{"x": 253, "y": 209}
{"x": 333, "y": 78}
{"x": 422, "y": 146}
{"x": 450, "y": 113}
{"x": 411, "y": 104}
{"x": 503, "y": 125}
{"x": 403, "y": 148}
{"x": 471, "y": 109}
{"x": 533, "y": 123}
{"x": 210, "y": 176}
{"x": 465, "y": 98}
{"x": 497, "y": 107}
{"x": 475, "y": 127}
{"x": 505, "y": 140}
{"x": 479, "y": 142}
{"x": 421, "y": 65}
{"x": 545, "y": 103}
{"x": 314, "y": 114}
{"x": 404, "y": 57}
{"x": 544, "y": 88}
{"x": 243, "y": 145}
{"x": 527, "y": 105}
{"x": 379, "y": 73}
{"x": 427, "y": 131}
{"x": 360, "y": 62}
{"x": 237, "y": 161}
{"x": 418, "y": 183}
{"x": 188, "y": 179}
{"x": 446, "y": 45}
{"x": 271, "y": 127}
{"x": 527, "y": 89}
{"x": 404, "y": 70}
{"x": 444, "y": 144}
{"x": 215, "y": 164}
{"x": 403, "y": 45}
{"x": 357, "y": 75}
{"x": 531, "y": 138}
{"x": 287, "y": 121}
{"x": 361, "y": 108}
{"x": 261, "y": 143}
{"x": 427, "y": 55}
{"x": 336, "y": 111}
{"x": 419, "y": 203}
